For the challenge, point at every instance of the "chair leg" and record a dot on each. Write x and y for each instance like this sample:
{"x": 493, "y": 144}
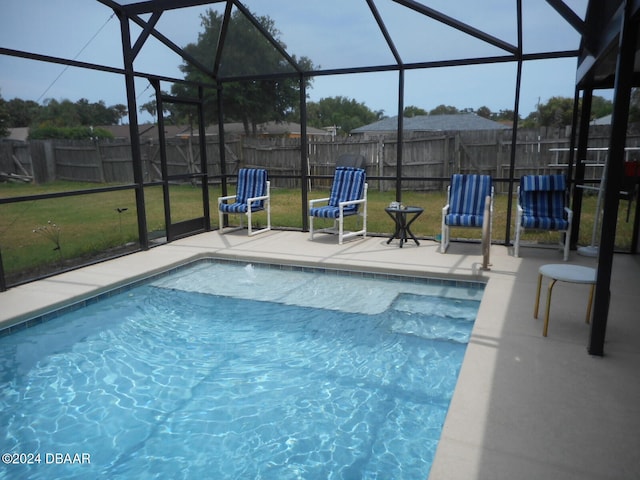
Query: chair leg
{"x": 486, "y": 234}
{"x": 444, "y": 231}
{"x": 519, "y": 228}
{"x": 364, "y": 220}
{"x": 535, "y": 310}
{"x": 566, "y": 246}
{"x": 268, "y": 214}
{"x": 444, "y": 238}
{"x": 546, "y": 316}
{"x": 251, "y": 230}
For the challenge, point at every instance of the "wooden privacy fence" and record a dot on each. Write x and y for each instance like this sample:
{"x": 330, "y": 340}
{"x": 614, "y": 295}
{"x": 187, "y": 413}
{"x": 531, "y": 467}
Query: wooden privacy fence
{"x": 427, "y": 157}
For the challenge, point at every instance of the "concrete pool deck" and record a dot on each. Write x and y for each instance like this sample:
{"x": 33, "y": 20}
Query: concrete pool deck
{"x": 525, "y": 407}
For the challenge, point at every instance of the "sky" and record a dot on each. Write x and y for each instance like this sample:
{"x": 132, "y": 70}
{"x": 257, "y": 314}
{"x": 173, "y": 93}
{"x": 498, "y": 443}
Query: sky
{"x": 332, "y": 33}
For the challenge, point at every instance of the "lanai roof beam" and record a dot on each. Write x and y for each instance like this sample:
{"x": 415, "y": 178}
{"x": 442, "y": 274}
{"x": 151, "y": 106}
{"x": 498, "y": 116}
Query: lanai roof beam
{"x": 463, "y": 27}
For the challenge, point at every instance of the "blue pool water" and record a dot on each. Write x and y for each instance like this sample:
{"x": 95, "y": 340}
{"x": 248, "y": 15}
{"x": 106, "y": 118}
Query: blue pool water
{"x": 232, "y": 371}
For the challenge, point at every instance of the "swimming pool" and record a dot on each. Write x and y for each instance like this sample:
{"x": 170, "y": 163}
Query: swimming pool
{"x": 228, "y": 370}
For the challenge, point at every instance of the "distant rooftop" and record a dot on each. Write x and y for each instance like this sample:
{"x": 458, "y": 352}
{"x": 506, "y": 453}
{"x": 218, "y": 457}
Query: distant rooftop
{"x": 433, "y": 123}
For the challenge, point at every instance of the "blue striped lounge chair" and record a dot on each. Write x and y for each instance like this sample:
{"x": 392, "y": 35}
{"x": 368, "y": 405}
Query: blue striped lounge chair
{"x": 541, "y": 206}
{"x": 470, "y": 204}
{"x": 252, "y": 195}
{"x": 348, "y": 197}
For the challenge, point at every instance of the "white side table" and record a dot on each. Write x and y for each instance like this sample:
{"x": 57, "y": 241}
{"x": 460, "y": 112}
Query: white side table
{"x": 564, "y": 273}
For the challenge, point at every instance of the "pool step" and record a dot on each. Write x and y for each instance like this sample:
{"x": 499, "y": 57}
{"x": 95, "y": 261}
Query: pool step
{"x": 433, "y": 318}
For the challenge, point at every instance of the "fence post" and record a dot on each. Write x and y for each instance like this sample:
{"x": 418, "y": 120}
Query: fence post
{"x": 380, "y": 162}
{"x": 446, "y": 170}
{"x": 96, "y": 144}
{"x": 49, "y": 161}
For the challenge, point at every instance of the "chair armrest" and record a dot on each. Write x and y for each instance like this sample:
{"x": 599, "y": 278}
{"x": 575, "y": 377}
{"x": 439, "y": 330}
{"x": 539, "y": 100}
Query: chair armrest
{"x": 445, "y": 209}
{"x": 519, "y": 215}
{"x": 224, "y": 199}
{"x": 317, "y": 200}
{"x": 488, "y": 209}
{"x": 569, "y": 213}
{"x": 254, "y": 199}
{"x": 352, "y": 202}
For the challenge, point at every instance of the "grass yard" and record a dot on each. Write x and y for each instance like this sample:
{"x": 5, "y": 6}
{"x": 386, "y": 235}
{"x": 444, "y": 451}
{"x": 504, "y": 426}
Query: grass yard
{"x": 89, "y": 225}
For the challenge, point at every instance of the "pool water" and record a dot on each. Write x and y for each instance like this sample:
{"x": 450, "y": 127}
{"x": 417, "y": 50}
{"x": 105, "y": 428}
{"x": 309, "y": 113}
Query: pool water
{"x": 234, "y": 371}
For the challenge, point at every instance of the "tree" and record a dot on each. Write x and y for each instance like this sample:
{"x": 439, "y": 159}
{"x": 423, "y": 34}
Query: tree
{"x": 412, "y": 111}
{"x": 342, "y": 112}
{"x": 558, "y": 112}
{"x": 444, "y": 110}
{"x": 484, "y": 112}
{"x": 57, "y": 114}
{"x": 245, "y": 51}
{"x": 120, "y": 110}
{"x": 151, "y": 107}
{"x": 601, "y": 107}
{"x": 504, "y": 116}
{"x": 66, "y": 113}
{"x": 96, "y": 113}
{"x": 22, "y": 113}
{"x": 63, "y": 113}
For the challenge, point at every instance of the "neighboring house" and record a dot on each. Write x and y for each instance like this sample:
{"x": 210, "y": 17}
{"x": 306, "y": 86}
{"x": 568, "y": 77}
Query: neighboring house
{"x": 147, "y": 132}
{"x": 430, "y": 123}
{"x": 288, "y": 130}
{"x": 18, "y": 134}
{"x": 606, "y": 120}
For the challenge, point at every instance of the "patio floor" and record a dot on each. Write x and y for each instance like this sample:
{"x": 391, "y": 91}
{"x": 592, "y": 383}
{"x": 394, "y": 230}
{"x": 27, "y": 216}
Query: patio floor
{"x": 526, "y": 407}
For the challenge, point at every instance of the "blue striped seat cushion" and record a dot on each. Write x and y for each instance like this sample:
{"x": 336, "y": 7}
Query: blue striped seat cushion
{"x": 238, "y": 207}
{"x": 252, "y": 182}
{"x": 348, "y": 185}
{"x": 331, "y": 212}
{"x": 463, "y": 220}
{"x": 542, "y": 198}
{"x": 544, "y": 223}
{"x": 466, "y": 200}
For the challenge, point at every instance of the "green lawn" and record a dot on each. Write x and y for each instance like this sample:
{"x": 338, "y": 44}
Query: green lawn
{"x": 89, "y": 225}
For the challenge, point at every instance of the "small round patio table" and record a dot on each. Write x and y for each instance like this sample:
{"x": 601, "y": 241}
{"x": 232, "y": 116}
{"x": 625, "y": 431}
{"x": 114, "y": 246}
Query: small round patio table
{"x": 564, "y": 273}
{"x": 403, "y": 218}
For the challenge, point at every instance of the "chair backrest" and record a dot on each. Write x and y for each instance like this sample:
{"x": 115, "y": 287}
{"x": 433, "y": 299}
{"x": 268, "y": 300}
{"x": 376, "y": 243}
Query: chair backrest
{"x": 348, "y": 184}
{"x": 468, "y": 193}
{"x": 543, "y": 196}
{"x": 252, "y": 182}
